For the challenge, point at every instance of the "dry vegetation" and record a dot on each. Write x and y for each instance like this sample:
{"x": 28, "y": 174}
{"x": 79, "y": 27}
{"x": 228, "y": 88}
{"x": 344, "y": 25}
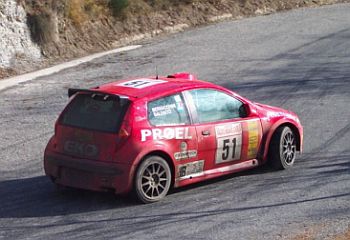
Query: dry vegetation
{"x": 51, "y": 21}
{"x": 313, "y": 234}
{"x": 81, "y": 11}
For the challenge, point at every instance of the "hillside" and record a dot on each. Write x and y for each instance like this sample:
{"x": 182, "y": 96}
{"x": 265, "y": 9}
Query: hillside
{"x": 35, "y": 34}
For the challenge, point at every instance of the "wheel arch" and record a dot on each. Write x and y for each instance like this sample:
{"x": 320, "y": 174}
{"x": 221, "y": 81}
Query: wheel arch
{"x": 273, "y": 131}
{"x": 161, "y": 154}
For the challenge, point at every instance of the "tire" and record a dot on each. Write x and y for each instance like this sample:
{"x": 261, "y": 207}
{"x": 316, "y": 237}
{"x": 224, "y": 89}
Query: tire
{"x": 152, "y": 180}
{"x": 282, "y": 149}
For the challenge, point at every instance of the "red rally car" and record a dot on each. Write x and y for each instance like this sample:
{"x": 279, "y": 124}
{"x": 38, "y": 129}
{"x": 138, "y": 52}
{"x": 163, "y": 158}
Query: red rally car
{"x": 151, "y": 134}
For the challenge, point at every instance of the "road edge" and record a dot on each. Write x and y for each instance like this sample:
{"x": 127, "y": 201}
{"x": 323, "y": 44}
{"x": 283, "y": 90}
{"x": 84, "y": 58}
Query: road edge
{"x": 12, "y": 81}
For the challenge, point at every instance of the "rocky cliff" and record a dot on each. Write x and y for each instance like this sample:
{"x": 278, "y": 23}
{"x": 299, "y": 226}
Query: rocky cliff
{"x": 16, "y": 46}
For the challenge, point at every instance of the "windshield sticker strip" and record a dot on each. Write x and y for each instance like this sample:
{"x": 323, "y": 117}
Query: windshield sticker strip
{"x": 141, "y": 83}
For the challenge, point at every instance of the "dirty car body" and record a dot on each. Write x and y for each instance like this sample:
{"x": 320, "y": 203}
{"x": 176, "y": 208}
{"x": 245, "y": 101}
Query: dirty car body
{"x": 151, "y": 134}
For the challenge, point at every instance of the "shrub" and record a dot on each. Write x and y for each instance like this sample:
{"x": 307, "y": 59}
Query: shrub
{"x": 94, "y": 8}
{"x": 118, "y": 6}
{"x": 75, "y": 11}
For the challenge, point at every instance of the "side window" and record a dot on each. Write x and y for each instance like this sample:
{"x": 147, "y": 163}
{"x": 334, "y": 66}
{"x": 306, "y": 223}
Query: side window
{"x": 214, "y": 105}
{"x": 168, "y": 111}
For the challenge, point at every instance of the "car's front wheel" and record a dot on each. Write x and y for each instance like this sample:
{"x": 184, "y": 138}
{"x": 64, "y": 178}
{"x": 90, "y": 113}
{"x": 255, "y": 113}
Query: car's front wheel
{"x": 282, "y": 150}
{"x": 153, "y": 179}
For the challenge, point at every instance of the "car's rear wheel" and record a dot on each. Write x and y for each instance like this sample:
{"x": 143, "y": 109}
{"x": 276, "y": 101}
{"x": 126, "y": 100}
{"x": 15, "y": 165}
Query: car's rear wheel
{"x": 282, "y": 150}
{"x": 153, "y": 179}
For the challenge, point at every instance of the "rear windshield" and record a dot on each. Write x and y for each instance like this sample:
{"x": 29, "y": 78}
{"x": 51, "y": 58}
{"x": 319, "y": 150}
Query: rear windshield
{"x": 95, "y": 112}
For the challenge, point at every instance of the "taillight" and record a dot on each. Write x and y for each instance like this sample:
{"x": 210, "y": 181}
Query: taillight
{"x": 124, "y": 132}
{"x": 125, "y": 129}
{"x": 52, "y": 144}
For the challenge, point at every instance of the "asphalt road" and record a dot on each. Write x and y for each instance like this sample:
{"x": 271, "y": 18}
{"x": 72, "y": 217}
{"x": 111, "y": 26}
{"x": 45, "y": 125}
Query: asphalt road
{"x": 299, "y": 60}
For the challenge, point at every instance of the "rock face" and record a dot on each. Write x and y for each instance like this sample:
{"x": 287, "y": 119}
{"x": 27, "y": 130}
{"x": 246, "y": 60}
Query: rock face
{"x": 15, "y": 41}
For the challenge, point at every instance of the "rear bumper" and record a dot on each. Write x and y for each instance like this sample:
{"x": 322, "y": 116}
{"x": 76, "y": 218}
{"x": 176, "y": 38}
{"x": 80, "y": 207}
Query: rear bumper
{"x": 88, "y": 174}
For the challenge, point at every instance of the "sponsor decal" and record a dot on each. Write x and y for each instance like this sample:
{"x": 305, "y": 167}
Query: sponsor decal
{"x": 81, "y": 149}
{"x": 228, "y": 142}
{"x": 183, "y": 146}
{"x": 190, "y": 168}
{"x": 228, "y": 129}
{"x": 163, "y": 110}
{"x": 253, "y": 139}
{"x": 165, "y": 133}
{"x": 141, "y": 83}
{"x": 185, "y": 154}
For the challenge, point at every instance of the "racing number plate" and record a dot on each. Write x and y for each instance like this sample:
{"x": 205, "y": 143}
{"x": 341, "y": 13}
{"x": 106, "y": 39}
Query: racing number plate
{"x": 228, "y": 142}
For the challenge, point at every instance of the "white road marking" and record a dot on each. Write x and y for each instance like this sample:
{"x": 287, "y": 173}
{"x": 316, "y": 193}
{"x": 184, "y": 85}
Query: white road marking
{"x": 12, "y": 81}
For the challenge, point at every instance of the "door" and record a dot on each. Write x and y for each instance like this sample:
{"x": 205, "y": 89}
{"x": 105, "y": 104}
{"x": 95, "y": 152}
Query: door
{"x": 224, "y": 137}
{"x": 171, "y": 122}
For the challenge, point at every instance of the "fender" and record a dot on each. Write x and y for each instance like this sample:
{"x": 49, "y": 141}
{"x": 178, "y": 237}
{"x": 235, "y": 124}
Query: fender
{"x": 277, "y": 124}
{"x": 159, "y": 147}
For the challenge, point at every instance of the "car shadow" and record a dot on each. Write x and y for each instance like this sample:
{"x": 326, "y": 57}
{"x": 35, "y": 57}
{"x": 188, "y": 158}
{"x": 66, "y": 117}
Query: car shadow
{"x": 38, "y": 197}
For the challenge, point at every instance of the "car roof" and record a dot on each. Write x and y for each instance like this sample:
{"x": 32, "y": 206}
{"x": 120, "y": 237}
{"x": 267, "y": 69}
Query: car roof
{"x": 152, "y": 86}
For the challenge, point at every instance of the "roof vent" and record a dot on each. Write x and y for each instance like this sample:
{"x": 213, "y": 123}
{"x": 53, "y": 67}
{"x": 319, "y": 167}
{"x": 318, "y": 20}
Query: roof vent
{"x": 183, "y": 75}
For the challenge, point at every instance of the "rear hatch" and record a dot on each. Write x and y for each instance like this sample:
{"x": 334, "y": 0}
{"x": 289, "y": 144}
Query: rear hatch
{"x": 89, "y": 126}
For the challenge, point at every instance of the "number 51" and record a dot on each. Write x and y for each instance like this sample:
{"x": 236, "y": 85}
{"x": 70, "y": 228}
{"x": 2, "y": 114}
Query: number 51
{"x": 226, "y": 148}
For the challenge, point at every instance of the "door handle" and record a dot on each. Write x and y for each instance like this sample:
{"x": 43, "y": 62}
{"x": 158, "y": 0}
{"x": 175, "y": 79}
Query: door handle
{"x": 205, "y": 132}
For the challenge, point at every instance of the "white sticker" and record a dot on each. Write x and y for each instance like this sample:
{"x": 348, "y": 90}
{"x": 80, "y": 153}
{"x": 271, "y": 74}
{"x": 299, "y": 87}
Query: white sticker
{"x": 185, "y": 154}
{"x": 163, "y": 110}
{"x": 141, "y": 83}
{"x": 177, "y": 98}
{"x": 228, "y": 129}
{"x": 228, "y": 142}
{"x": 190, "y": 168}
{"x": 165, "y": 133}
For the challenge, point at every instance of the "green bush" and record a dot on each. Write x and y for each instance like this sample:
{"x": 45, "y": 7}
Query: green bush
{"x": 117, "y": 6}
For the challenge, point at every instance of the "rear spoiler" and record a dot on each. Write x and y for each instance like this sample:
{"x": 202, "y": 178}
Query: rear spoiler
{"x": 72, "y": 91}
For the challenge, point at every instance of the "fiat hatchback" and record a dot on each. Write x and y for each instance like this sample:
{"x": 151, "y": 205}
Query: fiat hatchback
{"x": 147, "y": 135}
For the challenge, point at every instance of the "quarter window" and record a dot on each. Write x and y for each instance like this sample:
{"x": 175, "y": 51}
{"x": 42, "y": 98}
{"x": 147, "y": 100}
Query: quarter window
{"x": 167, "y": 111}
{"x": 212, "y": 105}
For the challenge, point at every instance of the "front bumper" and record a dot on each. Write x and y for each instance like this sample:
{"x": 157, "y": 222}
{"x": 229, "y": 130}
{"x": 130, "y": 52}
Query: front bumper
{"x": 88, "y": 174}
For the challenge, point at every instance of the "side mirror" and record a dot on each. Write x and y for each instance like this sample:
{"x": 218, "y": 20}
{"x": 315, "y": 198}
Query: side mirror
{"x": 243, "y": 111}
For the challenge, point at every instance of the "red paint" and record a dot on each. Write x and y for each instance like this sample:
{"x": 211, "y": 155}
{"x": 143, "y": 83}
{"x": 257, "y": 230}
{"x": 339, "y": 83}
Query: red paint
{"x": 71, "y": 158}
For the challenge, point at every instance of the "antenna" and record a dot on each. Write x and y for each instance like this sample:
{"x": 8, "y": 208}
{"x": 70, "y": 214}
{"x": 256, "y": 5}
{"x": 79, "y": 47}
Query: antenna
{"x": 157, "y": 76}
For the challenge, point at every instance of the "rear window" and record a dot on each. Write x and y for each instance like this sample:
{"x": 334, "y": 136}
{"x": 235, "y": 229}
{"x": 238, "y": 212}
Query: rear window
{"x": 95, "y": 112}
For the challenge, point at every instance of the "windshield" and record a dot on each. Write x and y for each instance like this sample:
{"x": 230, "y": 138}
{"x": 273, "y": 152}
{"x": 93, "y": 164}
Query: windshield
{"x": 93, "y": 111}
